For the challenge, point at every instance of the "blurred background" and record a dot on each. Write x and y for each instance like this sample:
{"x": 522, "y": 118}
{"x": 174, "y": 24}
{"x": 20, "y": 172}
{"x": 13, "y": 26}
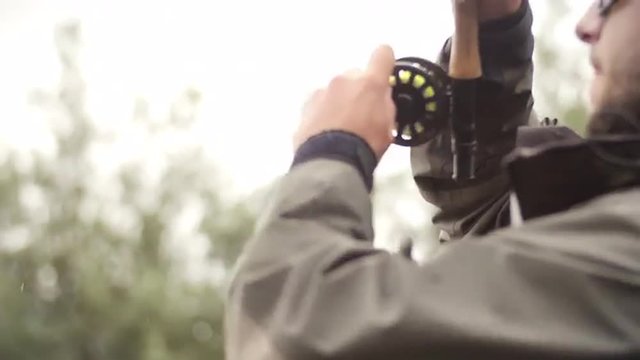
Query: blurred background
{"x": 139, "y": 141}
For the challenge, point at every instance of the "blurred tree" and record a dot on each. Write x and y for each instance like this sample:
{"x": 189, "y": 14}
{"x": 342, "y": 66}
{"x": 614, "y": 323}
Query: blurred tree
{"x": 96, "y": 265}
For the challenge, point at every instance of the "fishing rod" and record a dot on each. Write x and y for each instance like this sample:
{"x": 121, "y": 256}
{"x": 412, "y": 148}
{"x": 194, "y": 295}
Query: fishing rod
{"x": 429, "y": 99}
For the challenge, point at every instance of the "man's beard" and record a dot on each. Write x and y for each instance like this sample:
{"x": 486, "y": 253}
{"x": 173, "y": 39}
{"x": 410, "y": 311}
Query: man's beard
{"x": 620, "y": 111}
{"x": 618, "y": 119}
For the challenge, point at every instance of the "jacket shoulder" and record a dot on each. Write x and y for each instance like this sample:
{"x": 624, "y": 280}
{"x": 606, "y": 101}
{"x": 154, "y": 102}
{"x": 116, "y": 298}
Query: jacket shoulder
{"x": 601, "y": 235}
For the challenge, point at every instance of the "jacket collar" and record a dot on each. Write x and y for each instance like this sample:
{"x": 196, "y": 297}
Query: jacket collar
{"x": 558, "y": 175}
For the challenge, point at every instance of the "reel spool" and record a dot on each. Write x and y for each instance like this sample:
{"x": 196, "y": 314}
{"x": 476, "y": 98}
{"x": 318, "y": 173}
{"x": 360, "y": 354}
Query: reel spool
{"x": 421, "y": 93}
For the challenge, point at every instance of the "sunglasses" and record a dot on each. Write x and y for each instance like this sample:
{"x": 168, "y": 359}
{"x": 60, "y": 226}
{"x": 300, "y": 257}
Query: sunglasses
{"x": 604, "y": 6}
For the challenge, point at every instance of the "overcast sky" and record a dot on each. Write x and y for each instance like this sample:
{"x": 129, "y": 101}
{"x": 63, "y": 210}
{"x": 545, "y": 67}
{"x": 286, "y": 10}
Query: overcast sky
{"x": 255, "y": 62}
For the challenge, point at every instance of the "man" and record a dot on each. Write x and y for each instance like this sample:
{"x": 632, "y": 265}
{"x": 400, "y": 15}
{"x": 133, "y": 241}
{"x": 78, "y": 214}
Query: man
{"x": 562, "y": 284}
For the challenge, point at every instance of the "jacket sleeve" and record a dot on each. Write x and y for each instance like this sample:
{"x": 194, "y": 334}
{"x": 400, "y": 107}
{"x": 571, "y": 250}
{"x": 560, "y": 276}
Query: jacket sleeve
{"x": 310, "y": 284}
{"x": 504, "y": 102}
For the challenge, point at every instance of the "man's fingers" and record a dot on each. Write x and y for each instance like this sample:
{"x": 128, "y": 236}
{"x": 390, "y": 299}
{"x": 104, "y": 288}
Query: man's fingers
{"x": 312, "y": 100}
{"x": 353, "y": 73}
{"x": 381, "y": 63}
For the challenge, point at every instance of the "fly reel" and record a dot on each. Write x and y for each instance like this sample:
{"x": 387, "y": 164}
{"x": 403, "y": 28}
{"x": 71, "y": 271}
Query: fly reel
{"x": 421, "y": 93}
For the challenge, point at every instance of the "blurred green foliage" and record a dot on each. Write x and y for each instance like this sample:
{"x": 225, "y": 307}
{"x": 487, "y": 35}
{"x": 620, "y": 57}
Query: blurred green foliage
{"x": 89, "y": 266}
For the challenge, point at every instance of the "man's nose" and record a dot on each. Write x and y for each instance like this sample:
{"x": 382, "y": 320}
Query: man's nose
{"x": 589, "y": 27}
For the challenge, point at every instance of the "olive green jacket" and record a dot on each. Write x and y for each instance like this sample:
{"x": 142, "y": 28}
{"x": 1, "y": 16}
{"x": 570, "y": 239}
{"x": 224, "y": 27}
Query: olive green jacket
{"x": 310, "y": 284}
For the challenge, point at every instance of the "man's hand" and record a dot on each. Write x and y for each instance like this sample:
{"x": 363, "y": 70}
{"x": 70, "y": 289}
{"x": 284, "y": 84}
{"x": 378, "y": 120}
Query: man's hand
{"x": 358, "y": 102}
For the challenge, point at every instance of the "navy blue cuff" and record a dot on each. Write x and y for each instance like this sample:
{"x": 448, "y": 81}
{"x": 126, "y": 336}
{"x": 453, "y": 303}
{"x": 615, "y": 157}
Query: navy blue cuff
{"x": 343, "y": 146}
